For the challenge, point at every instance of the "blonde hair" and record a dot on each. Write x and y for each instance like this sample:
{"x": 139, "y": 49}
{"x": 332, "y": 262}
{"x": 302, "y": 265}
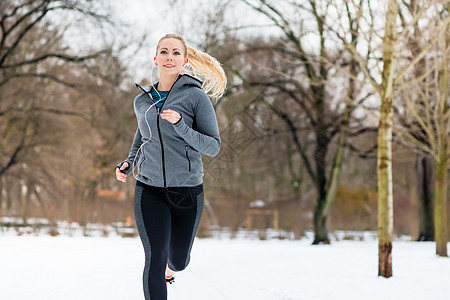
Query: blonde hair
{"x": 203, "y": 67}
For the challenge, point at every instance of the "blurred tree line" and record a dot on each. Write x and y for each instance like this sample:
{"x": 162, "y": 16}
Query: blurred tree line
{"x": 62, "y": 120}
{"x": 299, "y": 120}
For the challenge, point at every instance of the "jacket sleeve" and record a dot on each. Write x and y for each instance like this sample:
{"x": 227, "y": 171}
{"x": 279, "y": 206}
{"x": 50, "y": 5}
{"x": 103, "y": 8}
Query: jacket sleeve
{"x": 207, "y": 139}
{"x": 137, "y": 141}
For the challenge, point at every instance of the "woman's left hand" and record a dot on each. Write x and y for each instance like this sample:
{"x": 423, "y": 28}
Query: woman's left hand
{"x": 171, "y": 116}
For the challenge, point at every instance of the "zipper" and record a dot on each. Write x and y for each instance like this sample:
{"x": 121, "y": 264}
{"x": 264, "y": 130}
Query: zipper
{"x": 158, "y": 110}
{"x": 162, "y": 146}
{"x": 187, "y": 156}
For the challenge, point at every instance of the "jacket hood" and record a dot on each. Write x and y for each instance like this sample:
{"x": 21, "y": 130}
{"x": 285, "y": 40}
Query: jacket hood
{"x": 183, "y": 81}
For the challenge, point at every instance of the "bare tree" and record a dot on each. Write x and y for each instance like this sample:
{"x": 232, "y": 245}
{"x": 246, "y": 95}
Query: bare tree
{"x": 19, "y": 21}
{"x": 423, "y": 81}
{"x": 384, "y": 158}
{"x": 392, "y": 80}
{"x": 424, "y": 161}
{"x": 327, "y": 112}
{"x": 61, "y": 113}
{"x": 424, "y": 96}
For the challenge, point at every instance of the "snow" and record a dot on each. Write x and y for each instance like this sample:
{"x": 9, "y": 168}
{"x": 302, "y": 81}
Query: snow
{"x": 84, "y": 268}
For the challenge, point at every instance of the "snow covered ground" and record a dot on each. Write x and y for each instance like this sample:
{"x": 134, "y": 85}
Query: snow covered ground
{"x": 97, "y": 268}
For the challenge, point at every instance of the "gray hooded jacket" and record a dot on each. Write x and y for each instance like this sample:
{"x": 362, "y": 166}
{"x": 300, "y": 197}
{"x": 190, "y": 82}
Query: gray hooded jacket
{"x": 170, "y": 155}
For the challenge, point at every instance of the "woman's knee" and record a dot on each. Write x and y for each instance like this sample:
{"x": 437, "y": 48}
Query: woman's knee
{"x": 178, "y": 264}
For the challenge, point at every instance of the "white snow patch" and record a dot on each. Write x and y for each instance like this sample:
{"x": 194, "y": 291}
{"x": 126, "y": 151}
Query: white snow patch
{"x": 62, "y": 267}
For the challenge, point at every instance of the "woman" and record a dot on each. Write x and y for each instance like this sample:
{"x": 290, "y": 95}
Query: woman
{"x": 176, "y": 123}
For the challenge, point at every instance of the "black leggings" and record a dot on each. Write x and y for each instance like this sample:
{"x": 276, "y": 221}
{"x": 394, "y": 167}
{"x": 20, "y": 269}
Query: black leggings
{"x": 167, "y": 220}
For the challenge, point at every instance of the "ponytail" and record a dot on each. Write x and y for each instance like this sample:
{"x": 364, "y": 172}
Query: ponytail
{"x": 203, "y": 67}
{"x": 208, "y": 70}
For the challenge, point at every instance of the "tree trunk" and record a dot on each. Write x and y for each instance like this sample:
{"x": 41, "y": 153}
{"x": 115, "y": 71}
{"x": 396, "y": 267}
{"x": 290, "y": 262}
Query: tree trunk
{"x": 336, "y": 167}
{"x": 425, "y": 193}
{"x": 7, "y": 194}
{"x": 440, "y": 210}
{"x": 385, "y": 192}
{"x": 384, "y": 156}
{"x": 320, "y": 213}
{"x": 2, "y": 198}
{"x": 320, "y": 223}
{"x": 25, "y": 195}
{"x": 325, "y": 203}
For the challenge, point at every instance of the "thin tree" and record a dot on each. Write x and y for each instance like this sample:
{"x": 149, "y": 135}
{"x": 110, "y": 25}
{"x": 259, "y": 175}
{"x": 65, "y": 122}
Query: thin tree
{"x": 428, "y": 127}
{"x": 384, "y": 156}
{"x": 425, "y": 118}
{"x": 391, "y": 78}
{"x": 410, "y": 12}
{"x": 442, "y": 159}
{"x": 443, "y": 129}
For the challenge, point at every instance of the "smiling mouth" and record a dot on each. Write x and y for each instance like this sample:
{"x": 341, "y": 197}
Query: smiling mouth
{"x": 169, "y": 66}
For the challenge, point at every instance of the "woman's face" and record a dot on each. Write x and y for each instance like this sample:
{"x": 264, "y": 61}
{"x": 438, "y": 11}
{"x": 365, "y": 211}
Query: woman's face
{"x": 170, "y": 56}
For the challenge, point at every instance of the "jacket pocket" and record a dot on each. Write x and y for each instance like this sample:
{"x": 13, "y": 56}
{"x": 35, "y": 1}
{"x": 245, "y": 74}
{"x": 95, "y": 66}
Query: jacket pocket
{"x": 187, "y": 157}
{"x": 141, "y": 161}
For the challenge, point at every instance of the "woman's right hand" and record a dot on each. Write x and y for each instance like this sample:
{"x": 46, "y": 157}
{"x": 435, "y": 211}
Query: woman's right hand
{"x": 122, "y": 176}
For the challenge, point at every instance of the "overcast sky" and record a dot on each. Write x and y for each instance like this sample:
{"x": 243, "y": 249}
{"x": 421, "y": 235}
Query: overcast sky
{"x": 133, "y": 19}
{"x": 150, "y": 17}
{"x": 155, "y": 18}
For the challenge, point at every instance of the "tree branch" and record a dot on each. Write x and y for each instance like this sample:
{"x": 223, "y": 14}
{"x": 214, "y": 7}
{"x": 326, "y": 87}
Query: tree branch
{"x": 21, "y": 35}
{"x": 289, "y": 122}
{"x": 363, "y": 153}
{"x": 47, "y": 110}
{"x": 40, "y": 75}
{"x": 424, "y": 51}
{"x": 57, "y": 55}
{"x": 13, "y": 158}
